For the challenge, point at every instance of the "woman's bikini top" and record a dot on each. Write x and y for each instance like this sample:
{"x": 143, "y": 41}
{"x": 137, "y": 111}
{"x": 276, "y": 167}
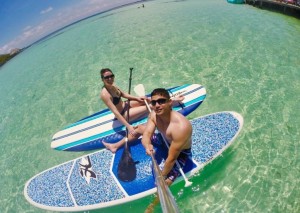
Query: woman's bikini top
{"x": 115, "y": 100}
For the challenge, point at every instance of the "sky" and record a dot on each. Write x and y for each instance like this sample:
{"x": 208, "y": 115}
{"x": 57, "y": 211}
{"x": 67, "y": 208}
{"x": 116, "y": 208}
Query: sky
{"x": 22, "y": 22}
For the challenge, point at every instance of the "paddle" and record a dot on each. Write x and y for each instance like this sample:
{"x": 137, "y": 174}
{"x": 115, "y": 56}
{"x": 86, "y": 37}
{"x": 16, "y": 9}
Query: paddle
{"x": 140, "y": 91}
{"x": 126, "y": 166}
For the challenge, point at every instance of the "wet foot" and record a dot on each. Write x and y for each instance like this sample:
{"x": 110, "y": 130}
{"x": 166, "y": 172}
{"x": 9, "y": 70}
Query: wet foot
{"x": 109, "y": 146}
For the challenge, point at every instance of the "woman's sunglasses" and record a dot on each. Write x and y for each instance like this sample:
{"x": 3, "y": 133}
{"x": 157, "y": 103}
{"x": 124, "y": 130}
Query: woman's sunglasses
{"x": 108, "y": 76}
{"x": 159, "y": 101}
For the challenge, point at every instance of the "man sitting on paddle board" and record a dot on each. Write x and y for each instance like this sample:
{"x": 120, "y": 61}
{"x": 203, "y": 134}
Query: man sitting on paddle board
{"x": 138, "y": 130}
{"x": 174, "y": 127}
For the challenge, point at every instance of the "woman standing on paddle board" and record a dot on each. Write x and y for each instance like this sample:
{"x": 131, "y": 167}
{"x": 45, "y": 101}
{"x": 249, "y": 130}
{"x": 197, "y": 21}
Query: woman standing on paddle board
{"x": 112, "y": 96}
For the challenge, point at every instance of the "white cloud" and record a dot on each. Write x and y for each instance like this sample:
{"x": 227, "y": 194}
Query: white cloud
{"x": 46, "y": 10}
{"x": 27, "y": 28}
{"x": 60, "y": 19}
{"x": 38, "y": 30}
{"x": 5, "y": 49}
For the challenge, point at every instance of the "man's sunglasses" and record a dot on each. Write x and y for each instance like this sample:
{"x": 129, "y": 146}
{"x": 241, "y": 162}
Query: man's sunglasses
{"x": 159, "y": 101}
{"x": 107, "y": 77}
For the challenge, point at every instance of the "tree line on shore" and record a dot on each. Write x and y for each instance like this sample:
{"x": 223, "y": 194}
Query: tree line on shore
{"x": 6, "y": 57}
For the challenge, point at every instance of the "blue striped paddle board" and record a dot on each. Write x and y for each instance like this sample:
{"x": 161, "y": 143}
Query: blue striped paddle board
{"x": 88, "y": 133}
{"x": 91, "y": 181}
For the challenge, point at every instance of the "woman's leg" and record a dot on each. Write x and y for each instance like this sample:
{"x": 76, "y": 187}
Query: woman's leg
{"x": 136, "y": 103}
{"x": 136, "y": 113}
{"x": 113, "y": 147}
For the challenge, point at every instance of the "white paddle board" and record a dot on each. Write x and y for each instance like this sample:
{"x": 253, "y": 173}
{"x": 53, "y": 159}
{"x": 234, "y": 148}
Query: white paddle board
{"x": 91, "y": 182}
{"x": 88, "y": 133}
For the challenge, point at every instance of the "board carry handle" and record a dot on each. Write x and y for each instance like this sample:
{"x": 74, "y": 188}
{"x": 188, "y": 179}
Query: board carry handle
{"x": 140, "y": 91}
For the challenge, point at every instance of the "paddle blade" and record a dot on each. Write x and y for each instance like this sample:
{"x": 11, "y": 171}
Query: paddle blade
{"x": 139, "y": 90}
{"x": 126, "y": 166}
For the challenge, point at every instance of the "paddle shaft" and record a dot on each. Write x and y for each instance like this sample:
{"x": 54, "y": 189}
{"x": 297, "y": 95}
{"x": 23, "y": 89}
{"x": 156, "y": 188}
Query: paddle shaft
{"x": 130, "y": 77}
{"x": 129, "y": 90}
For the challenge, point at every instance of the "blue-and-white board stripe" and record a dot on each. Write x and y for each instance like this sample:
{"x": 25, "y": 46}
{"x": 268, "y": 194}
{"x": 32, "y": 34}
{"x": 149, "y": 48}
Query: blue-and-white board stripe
{"x": 88, "y": 133}
{"x": 63, "y": 188}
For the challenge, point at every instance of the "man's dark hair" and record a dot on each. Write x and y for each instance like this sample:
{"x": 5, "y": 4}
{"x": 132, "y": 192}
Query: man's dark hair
{"x": 161, "y": 91}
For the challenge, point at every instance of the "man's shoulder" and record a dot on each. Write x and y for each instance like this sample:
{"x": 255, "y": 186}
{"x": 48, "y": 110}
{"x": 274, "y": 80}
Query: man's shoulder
{"x": 179, "y": 116}
{"x": 152, "y": 116}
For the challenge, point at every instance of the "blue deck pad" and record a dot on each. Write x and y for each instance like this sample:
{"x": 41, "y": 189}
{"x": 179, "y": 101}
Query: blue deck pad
{"x": 212, "y": 134}
{"x": 101, "y": 189}
{"x": 144, "y": 180}
{"x": 50, "y": 188}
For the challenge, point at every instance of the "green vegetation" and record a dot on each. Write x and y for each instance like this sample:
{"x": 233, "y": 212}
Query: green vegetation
{"x": 5, "y": 57}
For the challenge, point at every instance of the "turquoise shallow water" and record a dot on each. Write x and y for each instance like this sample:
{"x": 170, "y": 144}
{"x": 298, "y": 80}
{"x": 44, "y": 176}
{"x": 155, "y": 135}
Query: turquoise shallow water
{"x": 247, "y": 58}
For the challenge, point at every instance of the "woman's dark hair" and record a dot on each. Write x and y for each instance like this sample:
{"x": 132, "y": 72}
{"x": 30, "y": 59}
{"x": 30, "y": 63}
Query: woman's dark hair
{"x": 104, "y": 70}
